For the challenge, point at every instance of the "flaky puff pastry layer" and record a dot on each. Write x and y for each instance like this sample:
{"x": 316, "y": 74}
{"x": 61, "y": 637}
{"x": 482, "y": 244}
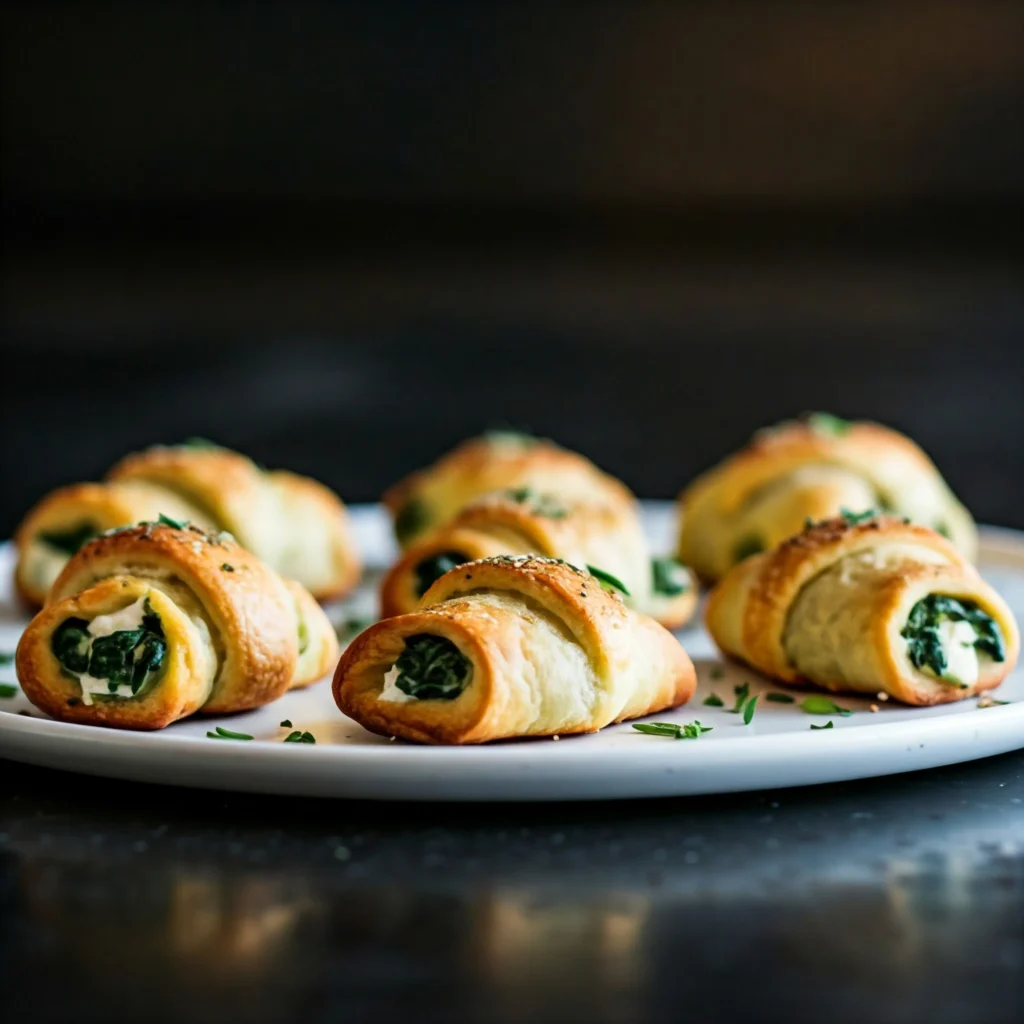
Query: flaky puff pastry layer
{"x": 552, "y": 653}
{"x": 233, "y": 627}
{"x": 827, "y": 607}
{"x": 610, "y": 538}
{"x": 431, "y": 497}
{"x": 764, "y": 493}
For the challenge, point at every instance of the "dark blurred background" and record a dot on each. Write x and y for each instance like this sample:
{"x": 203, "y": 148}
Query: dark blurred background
{"x": 342, "y": 236}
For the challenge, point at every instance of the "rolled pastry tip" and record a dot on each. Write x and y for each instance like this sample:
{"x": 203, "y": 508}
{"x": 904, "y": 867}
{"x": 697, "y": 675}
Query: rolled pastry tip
{"x": 511, "y": 646}
{"x": 811, "y": 469}
{"x": 497, "y": 461}
{"x": 867, "y": 606}
{"x": 152, "y": 623}
{"x": 526, "y": 521}
{"x": 69, "y": 517}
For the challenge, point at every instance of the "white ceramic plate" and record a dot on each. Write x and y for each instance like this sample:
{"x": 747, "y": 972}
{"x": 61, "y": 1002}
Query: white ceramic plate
{"x": 777, "y": 749}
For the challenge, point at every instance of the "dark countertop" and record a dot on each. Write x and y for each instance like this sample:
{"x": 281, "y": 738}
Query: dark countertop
{"x": 895, "y": 899}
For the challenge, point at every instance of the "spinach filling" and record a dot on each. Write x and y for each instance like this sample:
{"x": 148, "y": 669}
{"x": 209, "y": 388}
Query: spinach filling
{"x": 413, "y": 518}
{"x": 924, "y": 642}
{"x": 128, "y": 657}
{"x": 669, "y": 577}
{"x": 432, "y": 668}
{"x": 433, "y": 568}
{"x": 752, "y": 544}
{"x": 70, "y": 540}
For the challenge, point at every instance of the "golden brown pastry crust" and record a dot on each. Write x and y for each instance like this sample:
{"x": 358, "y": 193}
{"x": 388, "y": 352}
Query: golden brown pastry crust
{"x": 793, "y": 472}
{"x": 749, "y": 609}
{"x": 483, "y": 465}
{"x": 296, "y": 525}
{"x": 105, "y": 506}
{"x": 220, "y": 606}
{"x": 608, "y": 537}
{"x": 629, "y": 665}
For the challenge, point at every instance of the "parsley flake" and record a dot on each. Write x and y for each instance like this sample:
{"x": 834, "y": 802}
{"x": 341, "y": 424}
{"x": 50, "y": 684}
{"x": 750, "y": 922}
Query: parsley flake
{"x": 163, "y": 520}
{"x": 300, "y": 737}
{"x": 780, "y": 698}
{"x": 226, "y": 734}
{"x": 286, "y": 724}
{"x": 817, "y": 704}
{"x": 712, "y": 700}
{"x": 7, "y": 690}
{"x": 827, "y": 425}
{"x": 6, "y": 657}
{"x": 827, "y": 725}
{"x": 685, "y": 731}
{"x": 748, "y": 710}
{"x": 742, "y": 695}
{"x": 607, "y": 580}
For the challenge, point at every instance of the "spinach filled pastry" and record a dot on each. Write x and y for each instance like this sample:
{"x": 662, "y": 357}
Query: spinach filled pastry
{"x": 496, "y": 461}
{"x": 867, "y": 605}
{"x": 153, "y": 622}
{"x": 294, "y": 524}
{"x": 523, "y": 521}
{"x": 515, "y": 645}
{"x": 811, "y": 469}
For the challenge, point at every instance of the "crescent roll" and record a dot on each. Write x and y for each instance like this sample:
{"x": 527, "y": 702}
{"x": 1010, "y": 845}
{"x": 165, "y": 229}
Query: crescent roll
{"x": 523, "y": 521}
{"x": 495, "y": 462}
{"x": 511, "y": 646}
{"x": 151, "y": 623}
{"x": 867, "y": 605}
{"x": 811, "y": 468}
{"x": 294, "y": 524}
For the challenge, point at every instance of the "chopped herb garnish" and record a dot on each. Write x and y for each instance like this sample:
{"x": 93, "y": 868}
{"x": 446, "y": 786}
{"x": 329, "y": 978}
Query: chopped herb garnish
{"x": 545, "y": 505}
{"x": 779, "y": 698}
{"x": 226, "y": 567}
{"x": 163, "y": 520}
{"x": 607, "y": 580}
{"x": 717, "y": 672}
{"x": 748, "y": 710}
{"x": 286, "y": 724}
{"x": 669, "y": 577}
{"x": 742, "y": 694}
{"x": 856, "y": 518}
{"x": 816, "y": 704}
{"x": 943, "y": 528}
{"x": 201, "y": 442}
{"x": 7, "y": 690}
{"x": 712, "y": 700}
{"x": 827, "y": 425}
{"x": 226, "y": 734}
{"x": 687, "y": 731}
{"x": 827, "y": 725}
{"x": 300, "y": 737}
{"x": 6, "y": 657}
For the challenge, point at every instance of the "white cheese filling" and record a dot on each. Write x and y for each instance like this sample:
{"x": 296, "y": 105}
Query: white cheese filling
{"x": 129, "y": 617}
{"x": 958, "y": 640}
{"x": 391, "y": 693}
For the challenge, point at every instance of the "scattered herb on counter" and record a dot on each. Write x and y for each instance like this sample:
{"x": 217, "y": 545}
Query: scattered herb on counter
{"x": 607, "y": 580}
{"x": 7, "y": 690}
{"x": 780, "y": 698}
{"x": 6, "y": 657}
{"x": 827, "y": 725}
{"x": 712, "y": 700}
{"x": 686, "y": 731}
{"x": 226, "y": 734}
{"x": 748, "y": 710}
{"x": 300, "y": 737}
{"x": 742, "y": 695}
{"x": 163, "y": 520}
{"x": 286, "y": 724}
{"x": 717, "y": 672}
{"x": 816, "y": 704}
